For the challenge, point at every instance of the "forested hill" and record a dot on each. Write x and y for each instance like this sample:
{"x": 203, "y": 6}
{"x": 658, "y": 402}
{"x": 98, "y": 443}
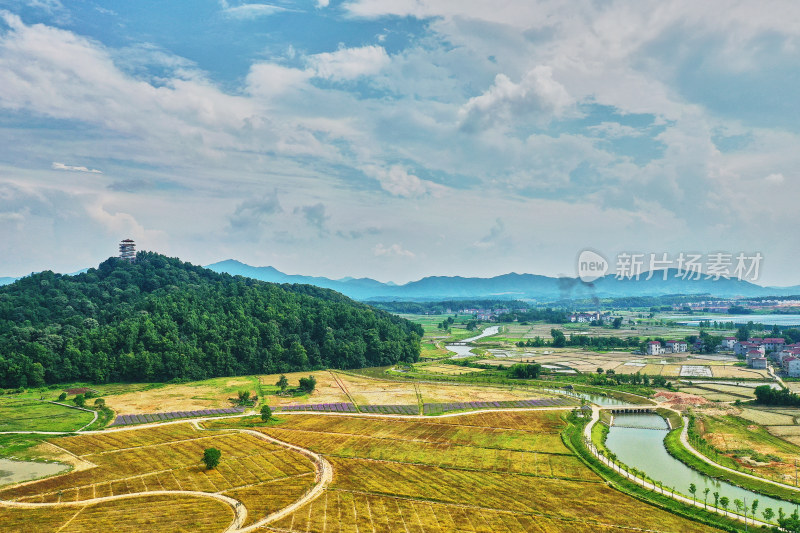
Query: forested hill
{"x": 160, "y": 319}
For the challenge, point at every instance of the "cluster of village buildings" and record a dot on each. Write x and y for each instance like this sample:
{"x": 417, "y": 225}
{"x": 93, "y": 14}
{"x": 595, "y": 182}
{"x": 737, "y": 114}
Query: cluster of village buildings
{"x": 656, "y": 348}
{"x": 756, "y": 349}
{"x": 592, "y": 316}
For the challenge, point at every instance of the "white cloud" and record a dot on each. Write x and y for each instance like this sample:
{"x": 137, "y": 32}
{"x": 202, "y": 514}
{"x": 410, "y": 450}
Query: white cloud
{"x": 395, "y": 250}
{"x": 249, "y": 11}
{"x": 397, "y": 181}
{"x": 615, "y": 130}
{"x": 323, "y": 3}
{"x": 537, "y": 96}
{"x": 349, "y": 63}
{"x": 775, "y": 179}
{"x": 62, "y": 166}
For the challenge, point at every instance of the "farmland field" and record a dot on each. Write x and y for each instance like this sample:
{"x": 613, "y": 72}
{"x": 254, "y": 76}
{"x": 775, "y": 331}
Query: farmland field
{"x": 150, "y": 513}
{"x": 30, "y": 414}
{"x": 457, "y": 474}
{"x": 260, "y": 474}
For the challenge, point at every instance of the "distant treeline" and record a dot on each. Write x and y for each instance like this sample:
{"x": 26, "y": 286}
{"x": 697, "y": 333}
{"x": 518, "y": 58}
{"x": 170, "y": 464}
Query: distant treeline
{"x": 445, "y": 306}
{"x": 161, "y": 319}
{"x": 627, "y": 302}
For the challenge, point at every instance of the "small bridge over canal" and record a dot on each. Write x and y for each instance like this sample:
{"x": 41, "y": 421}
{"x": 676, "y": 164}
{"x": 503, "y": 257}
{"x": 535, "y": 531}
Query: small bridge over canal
{"x": 620, "y": 422}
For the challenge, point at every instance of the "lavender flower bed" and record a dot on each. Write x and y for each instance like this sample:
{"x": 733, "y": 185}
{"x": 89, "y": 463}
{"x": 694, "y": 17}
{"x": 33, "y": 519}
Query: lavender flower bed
{"x": 324, "y": 407}
{"x": 390, "y": 409}
{"x": 126, "y": 420}
{"x": 439, "y": 408}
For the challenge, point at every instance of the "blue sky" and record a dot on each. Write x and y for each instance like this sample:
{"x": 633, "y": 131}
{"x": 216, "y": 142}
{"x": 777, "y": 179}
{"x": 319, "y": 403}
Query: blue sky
{"x": 398, "y": 138}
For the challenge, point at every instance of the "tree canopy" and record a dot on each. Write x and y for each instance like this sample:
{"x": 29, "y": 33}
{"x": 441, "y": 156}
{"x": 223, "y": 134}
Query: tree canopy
{"x": 160, "y": 319}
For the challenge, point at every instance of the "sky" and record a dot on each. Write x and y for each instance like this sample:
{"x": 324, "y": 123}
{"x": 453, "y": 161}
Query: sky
{"x": 397, "y": 139}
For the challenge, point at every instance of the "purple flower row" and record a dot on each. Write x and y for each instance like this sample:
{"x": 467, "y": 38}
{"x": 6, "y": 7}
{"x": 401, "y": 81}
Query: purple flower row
{"x": 390, "y": 409}
{"x": 126, "y": 420}
{"x": 327, "y": 407}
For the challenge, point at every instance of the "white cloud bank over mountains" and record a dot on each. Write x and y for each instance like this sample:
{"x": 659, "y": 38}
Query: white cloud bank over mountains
{"x": 512, "y": 135}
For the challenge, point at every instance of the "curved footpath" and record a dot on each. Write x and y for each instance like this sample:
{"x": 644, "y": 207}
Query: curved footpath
{"x": 324, "y": 476}
{"x": 587, "y": 435}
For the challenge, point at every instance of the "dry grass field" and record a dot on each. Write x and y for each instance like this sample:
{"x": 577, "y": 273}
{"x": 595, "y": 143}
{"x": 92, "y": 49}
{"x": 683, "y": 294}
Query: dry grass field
{"x": 209, "y": 394}
{"x": 449, "y": 369}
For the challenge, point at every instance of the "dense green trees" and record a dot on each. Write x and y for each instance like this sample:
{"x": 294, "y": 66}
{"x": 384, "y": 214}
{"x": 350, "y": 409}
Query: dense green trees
{"x": 766, "y": 395}
{"x": 160, "y": 319}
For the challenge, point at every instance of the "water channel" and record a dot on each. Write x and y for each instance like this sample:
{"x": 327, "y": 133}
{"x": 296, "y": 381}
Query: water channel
{"x": 638, "y": 445}
{"x": 464, "y": 351}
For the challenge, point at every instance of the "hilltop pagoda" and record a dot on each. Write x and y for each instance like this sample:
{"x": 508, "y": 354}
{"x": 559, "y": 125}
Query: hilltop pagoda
{"x": 127, "y": 250}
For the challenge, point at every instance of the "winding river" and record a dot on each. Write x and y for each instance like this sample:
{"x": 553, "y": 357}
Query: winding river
{"x": 640, "y": 446}
{"x": 464, "y": 351}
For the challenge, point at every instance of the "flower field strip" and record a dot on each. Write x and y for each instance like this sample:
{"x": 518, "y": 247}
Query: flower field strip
{"x": 570, "y": 500}
{"x": 325, "y": 407}
{"x": 441, "y": 454}
{"x": 170, "y": 466}
{"x": 439, "y": 408}
{"x": 353, "y": 512}
{"x": 390, "y": 409}
{"x": 544, "y": 437}
{"x": 126, "y": 420}
{"x": 265, "y": 498}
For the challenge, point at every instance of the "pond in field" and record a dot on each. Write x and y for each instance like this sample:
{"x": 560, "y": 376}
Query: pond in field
{"x": 636, "y": 444}
{"x": 464, "y": 351}
{"x": 12, "y": 471}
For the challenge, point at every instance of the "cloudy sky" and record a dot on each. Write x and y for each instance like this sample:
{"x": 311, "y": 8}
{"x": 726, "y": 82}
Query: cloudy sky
{"x": 398, "y": 138}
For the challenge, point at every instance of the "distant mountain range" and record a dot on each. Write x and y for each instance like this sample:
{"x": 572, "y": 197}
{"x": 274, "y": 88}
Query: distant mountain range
{"x": 511, "y": 286}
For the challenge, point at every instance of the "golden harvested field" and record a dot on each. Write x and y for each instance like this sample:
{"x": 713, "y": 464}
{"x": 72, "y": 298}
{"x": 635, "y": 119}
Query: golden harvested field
{"x": 368, "y": 391}
{"x": 455, "y": 474}
{"x": 210, "y": 394}
{"x": 450, "y": 369}
{"x": 737, "y": 372}
{"x": 150, "y": 513}
{"x": 326, "y": 391}
{"x": 265, "y": 475}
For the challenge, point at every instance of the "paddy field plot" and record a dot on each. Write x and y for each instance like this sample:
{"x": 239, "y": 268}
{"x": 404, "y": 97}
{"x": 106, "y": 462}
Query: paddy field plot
{"x": 29, "y": 414}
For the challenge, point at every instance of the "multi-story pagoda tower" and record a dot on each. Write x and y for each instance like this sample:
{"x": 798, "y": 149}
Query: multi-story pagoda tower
{"x": 127, "y": 250}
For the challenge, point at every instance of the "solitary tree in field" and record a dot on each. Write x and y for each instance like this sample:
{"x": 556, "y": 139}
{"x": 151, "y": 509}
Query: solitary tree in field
{"x": 705, "y": 497}
{"x": 266, "y": 413}
{"x": 692, "y": 490}
{"x": 99, "y": 403}
{"x": 724, "y": 501}
{"x": 308, "y": 384}
{"x": 211, "y": 457}
{"x": 282, "y": 383}
{"x": 80, "y": 400}
{"x": 753, "y": 508}
{"x": 62, "y": 396}
{"x": 716, "y": 499}
{"x": 768, "y": 514}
